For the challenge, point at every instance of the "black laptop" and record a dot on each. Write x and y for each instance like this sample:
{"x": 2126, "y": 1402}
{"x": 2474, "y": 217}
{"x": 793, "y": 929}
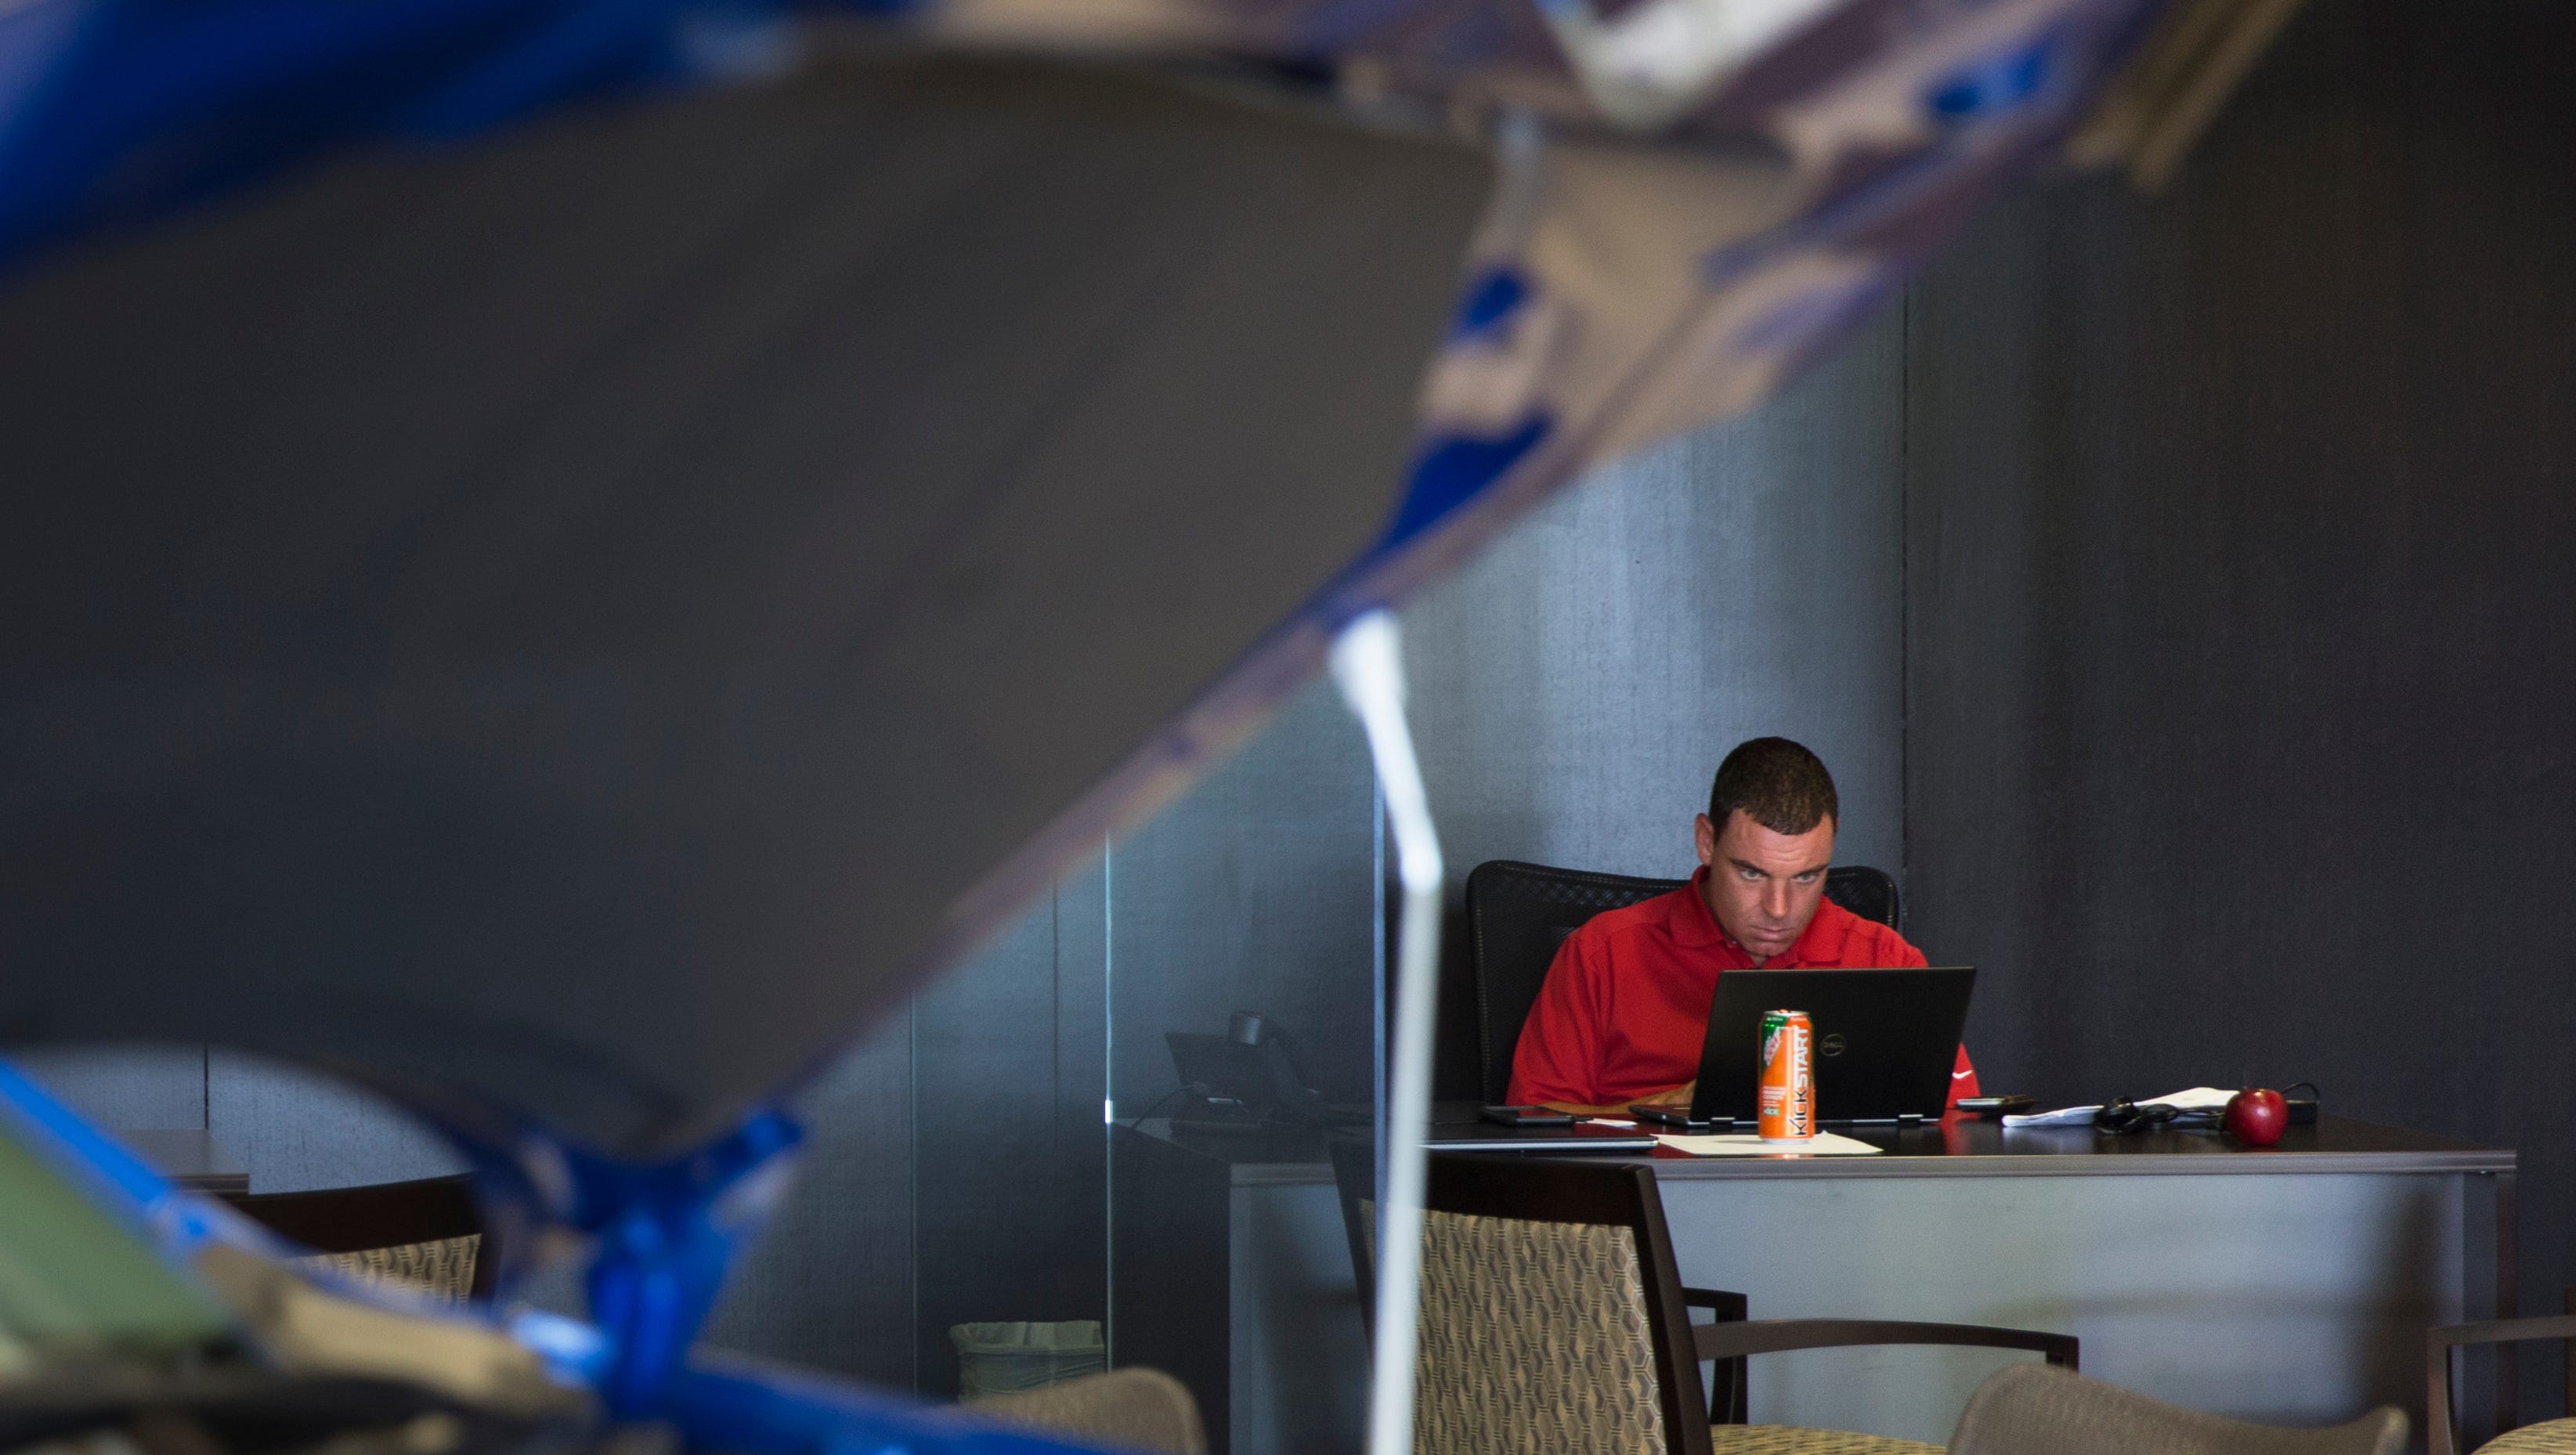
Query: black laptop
{"x": 1886, "y": 1043}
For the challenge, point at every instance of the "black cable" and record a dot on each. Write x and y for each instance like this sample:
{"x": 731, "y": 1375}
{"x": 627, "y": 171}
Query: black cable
{"x": 1195, "y": 1088}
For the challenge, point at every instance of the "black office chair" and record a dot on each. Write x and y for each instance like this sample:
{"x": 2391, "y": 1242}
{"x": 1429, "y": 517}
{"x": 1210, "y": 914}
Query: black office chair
{"x": 1518, "y": 914}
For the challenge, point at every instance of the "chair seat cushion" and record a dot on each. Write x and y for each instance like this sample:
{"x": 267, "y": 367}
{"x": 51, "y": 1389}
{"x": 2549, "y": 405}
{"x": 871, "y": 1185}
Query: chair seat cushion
{"x": 2549, "y": 1437}
{"x": 1799, "y": 1440}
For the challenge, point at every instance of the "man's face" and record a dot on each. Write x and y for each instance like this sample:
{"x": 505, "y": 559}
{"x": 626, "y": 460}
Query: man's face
{"x": 1764, "y": 887}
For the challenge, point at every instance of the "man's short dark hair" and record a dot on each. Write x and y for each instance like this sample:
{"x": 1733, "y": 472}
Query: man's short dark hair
{"x": 1778, "y": 784}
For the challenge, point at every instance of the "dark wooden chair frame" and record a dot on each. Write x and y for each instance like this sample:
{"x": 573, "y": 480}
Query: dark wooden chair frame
{"x": 2440, "y": 1433}
{"x": 1623, "y": 1194}
{"x": 379, "y": 1215}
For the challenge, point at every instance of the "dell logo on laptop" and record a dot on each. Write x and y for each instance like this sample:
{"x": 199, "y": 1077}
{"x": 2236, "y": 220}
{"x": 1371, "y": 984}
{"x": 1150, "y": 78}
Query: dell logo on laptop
{"x": 1829, "y": 1045}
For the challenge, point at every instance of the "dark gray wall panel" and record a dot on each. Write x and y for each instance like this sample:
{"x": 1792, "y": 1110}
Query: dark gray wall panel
{"x": 1078, "y": 1160}
{"x": 2242, "y": 601}
{"x": 984, "y": 1115}
{"x": 1574, "y": 689}
{"x": 1009, "y": 1152}
{"x": 1255, "y": 891}
{"x": 129, "y": 1088}
{"x": 296, "y": 1129}
{"x": 830, "y": 1284}
{"x": 289, "y": 1127}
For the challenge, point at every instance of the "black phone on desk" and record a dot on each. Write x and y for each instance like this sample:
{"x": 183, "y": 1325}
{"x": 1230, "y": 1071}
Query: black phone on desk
{"x": 1528, "y": 1116}
{"x": 1251, "y": 1072}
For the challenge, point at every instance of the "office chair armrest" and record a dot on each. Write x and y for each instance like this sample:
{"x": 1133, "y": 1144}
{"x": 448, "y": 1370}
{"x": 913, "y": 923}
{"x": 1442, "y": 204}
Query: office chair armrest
{"x": 1729, "y": 1406}
{"x": 1728, "y": 1306}
{"x": 1772, "y": 1336}
{"x": 2439, "y": 1342}
{"x": 2440, "y": 1438}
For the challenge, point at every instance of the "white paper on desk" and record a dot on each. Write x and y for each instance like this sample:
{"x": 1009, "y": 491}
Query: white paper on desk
{"x": 1745, "y": 1144}
{"x": 2196, "y": 1099}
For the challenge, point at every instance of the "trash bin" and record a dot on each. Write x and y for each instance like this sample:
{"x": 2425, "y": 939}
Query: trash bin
{"x": 1005, "y": 1358}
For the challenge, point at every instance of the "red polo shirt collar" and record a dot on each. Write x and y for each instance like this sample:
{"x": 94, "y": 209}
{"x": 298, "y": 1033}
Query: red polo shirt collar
{"x": 1691, "y": 925}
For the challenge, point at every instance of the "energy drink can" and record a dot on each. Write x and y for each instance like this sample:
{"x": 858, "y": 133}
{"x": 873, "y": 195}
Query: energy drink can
{"x": 1785, "y": 1098}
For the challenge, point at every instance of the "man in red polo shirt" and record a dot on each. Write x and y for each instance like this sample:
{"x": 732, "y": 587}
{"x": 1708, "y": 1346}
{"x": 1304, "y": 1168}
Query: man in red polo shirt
{"x": 1625, "y": 1006}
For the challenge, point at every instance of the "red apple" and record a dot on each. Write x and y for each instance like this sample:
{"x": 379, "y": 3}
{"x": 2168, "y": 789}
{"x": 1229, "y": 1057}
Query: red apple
{"x": 2256, "y": 1116}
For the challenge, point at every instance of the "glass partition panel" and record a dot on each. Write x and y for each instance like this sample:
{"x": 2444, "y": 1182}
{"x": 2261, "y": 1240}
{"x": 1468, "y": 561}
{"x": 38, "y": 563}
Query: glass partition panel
{"x": 1011, "y": 1180}
{"x": 1243, "y": 959}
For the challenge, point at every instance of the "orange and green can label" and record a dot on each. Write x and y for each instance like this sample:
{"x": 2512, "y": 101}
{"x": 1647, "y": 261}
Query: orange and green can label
{"x": 1785, "y": 1097}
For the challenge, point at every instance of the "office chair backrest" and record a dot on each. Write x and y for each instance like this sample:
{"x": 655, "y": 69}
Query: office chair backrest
{"x": 1552, "y": 1312}
{"x": 426, "y": 1235}
{"x": 1867, "y": 892}
{"x": 1519, "y": 914}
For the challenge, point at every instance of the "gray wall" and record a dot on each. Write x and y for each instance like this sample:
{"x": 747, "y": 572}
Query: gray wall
{"x": 1574, "y": 688}
{"x": 2242, "y": 602}
{"x": 292, "y": 1129}
{"x": 1005, "y": 1110}
{"x": 830, "y": 1285}
{"x": 1255, "y": 892}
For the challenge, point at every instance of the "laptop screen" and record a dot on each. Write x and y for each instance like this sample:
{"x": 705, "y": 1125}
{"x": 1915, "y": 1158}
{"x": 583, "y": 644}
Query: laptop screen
{"x": 1886, "y": 1040}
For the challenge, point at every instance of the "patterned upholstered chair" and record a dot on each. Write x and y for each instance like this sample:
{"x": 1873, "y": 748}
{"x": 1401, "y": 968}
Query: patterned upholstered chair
{"x": 2030, "y": 1409}
{"x": 1355, "y": 1174}
{"x": 424, "y": 1235}
{"x": 2549, "y": 1437}
{"x": 1554, "y": 1320}
{"x": 1136, "y": 1409}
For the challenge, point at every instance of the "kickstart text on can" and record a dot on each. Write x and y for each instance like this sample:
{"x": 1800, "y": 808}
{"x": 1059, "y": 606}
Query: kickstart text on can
{"x": 1786, "y": 1094}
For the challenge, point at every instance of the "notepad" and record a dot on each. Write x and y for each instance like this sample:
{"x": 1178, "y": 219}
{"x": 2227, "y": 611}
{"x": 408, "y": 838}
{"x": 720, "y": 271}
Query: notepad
{"x": 1745, "y": 1144}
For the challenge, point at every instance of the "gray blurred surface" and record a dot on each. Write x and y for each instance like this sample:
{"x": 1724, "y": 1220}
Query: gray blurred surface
{"x": 581, "y": 618}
